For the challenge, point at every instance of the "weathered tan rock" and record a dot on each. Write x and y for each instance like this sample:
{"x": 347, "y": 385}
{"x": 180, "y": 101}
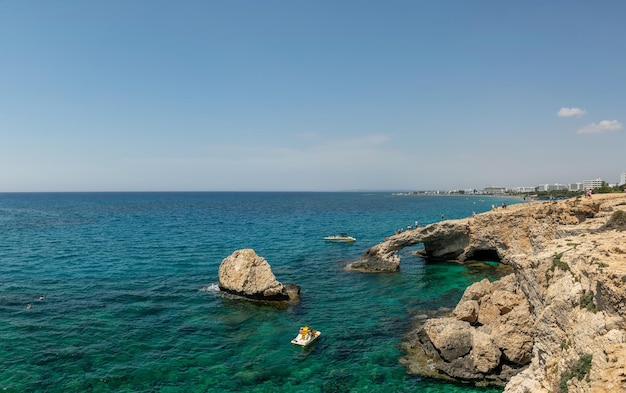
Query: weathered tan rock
{"x": 467, "y": 311}
{"x": 524, "y": 228}
{"x": 485, "y": 353}
{"x": 565, "y": 304}
{"x": 513, "y": 334}
{"x": 246, "y": 274}
{"x": 477, "y": 290}
{"x": 451, "y": 337}
{"x": 500, "y": 340}
{"x": 506, "y": 301}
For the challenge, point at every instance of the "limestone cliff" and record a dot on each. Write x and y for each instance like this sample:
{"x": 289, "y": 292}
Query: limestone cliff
{"x": 557, "y": 324}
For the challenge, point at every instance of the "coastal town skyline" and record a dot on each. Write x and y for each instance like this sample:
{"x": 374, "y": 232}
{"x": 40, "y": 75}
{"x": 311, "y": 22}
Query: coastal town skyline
{"x": 324, "y": 96}
{"x": 587, "y": 184}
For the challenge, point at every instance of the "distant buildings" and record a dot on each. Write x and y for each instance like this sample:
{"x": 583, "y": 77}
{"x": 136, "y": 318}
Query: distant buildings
{"x": 498, "y": 190}
{"x": 593, "y": 184}
{"x": 576, "y": 187}
{"x": 551, "y": 187}
{"x": 573, "y": 187}
{"x": 524, "y": 190}
{"x": 492, "y": 190}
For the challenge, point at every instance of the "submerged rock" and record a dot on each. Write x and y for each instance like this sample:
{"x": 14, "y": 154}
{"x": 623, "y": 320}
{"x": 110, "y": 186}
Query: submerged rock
{"x": 244, "y": 273}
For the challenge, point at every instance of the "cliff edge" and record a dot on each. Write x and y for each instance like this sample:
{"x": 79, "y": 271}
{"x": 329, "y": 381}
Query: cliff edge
{"x": 557, "y": 324}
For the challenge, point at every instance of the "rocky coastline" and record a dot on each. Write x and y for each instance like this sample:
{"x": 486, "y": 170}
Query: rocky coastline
{"x": 556, "y": 324}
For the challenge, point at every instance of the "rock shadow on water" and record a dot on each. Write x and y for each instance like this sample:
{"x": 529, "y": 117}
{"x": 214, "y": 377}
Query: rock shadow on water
{"x": 232, "y": 299}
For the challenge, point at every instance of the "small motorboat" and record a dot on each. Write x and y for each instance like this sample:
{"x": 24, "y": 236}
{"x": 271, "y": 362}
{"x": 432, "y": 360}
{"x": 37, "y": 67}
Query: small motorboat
{"x": 342, "y": 237}
{"x": 306, "y": 336}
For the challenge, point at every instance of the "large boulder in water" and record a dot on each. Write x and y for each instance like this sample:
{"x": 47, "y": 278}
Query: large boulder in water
{"x": 246, "y": 274}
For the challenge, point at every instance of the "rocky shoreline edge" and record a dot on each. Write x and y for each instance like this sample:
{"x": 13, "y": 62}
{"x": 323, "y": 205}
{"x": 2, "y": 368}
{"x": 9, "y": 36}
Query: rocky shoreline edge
{"x": 556, "y": 324}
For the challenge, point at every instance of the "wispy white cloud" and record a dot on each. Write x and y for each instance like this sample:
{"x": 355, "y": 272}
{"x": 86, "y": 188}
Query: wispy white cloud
{"x": 602, "y": 127}
{"x": 571, "y": 112}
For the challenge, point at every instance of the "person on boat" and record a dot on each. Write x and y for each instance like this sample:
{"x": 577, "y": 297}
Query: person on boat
{"x": 304, "y": 332}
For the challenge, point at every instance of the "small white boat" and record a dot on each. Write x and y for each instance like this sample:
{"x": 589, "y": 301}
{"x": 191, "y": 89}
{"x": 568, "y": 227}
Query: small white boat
{"x": 306, "y": 336}
{"x": 342, "y": 237}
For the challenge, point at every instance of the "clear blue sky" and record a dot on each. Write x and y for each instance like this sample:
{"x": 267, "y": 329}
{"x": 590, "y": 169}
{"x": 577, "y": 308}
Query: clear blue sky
{"x": 130, "y": 95}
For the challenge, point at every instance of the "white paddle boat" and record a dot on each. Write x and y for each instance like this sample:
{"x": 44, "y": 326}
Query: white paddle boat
{"x": 306, "y": 336}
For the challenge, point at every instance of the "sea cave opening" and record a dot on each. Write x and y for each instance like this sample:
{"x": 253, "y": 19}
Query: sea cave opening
{"x": 485, "y": 255}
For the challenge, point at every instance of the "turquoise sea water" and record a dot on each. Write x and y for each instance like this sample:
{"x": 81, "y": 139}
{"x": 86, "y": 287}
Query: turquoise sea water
{"x": 130, "y": 300}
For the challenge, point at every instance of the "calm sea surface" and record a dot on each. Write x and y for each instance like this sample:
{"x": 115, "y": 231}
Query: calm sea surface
{"x": 123, "y": 298}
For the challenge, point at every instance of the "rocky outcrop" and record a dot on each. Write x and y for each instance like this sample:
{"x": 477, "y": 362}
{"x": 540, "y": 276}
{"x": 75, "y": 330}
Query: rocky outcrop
{"x": 557, "y": 324}
{"x": 244, "y": 273}
{"x": 486, "y": 339}
{"x": 443, "y": 240}
{"x": 524, "y": 228}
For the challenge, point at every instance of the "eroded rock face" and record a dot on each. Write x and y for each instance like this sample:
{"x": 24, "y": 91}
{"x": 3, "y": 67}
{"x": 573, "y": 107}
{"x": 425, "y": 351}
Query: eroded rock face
{"x": 563, "y": 306}
{"x": 444, "y": 240}
{"x": 246, "y": 274}
{"x": 485, "y": 339}
{"x": 517, "y": 229}
{"x": 450, "y": 337}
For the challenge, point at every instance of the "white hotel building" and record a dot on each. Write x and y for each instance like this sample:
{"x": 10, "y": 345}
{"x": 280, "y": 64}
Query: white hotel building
{"x": 576, "y": 187}
{"x": 551, "y": 187}
{"x": 593, "y": 184}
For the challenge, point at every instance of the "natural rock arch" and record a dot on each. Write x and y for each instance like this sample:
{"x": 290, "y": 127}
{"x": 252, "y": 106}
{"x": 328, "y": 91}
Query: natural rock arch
{"x": 493, "y": 236}
{"x": 444, "y": 241}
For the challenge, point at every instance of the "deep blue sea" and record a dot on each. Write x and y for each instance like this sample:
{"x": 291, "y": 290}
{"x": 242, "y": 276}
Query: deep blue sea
{"x": 117, "y": 292}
